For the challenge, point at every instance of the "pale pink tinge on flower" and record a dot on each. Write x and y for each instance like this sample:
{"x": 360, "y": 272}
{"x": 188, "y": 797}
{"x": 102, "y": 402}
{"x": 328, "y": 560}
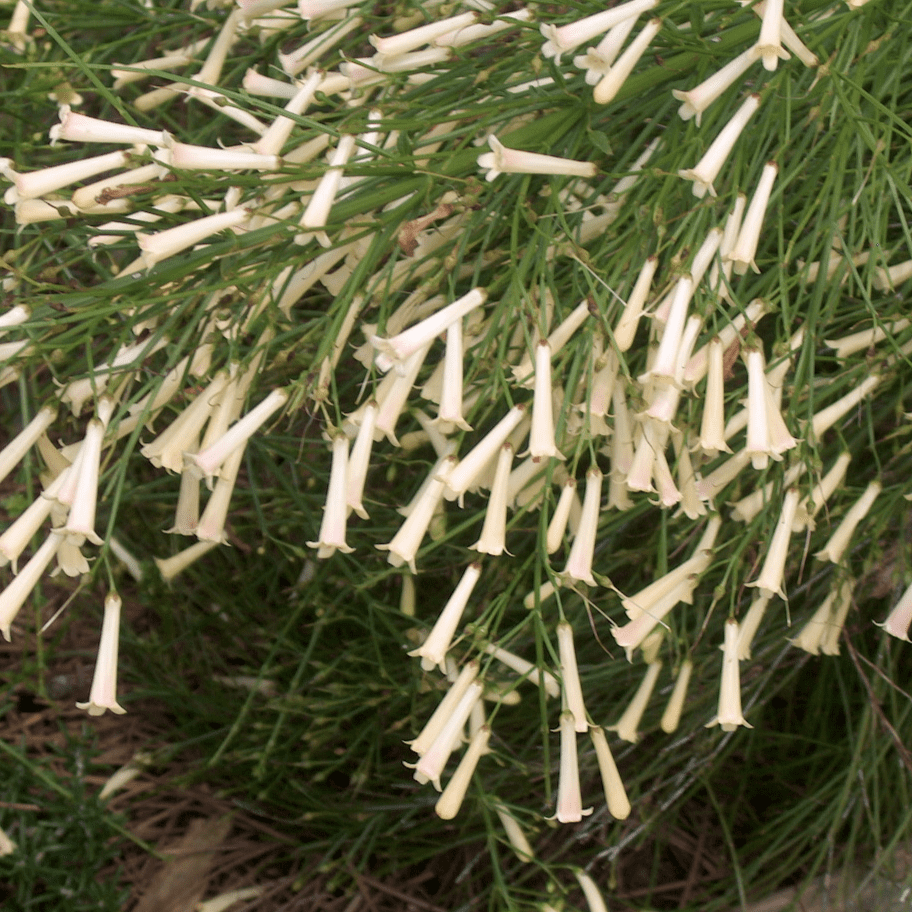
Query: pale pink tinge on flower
{"x": 729, "y": 715}
{"x": 103, "y": 694}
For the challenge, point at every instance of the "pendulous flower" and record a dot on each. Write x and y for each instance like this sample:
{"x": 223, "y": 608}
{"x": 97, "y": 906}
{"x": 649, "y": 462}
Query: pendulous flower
{"x": 103, "y": 695}
{"x": 729, "y": 715}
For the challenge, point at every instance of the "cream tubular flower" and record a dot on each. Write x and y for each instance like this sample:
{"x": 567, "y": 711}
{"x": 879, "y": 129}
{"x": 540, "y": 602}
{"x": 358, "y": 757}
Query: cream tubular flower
{"x": 445, "y": 708}
{"x": 171, "y": 567}
{"x": 626, "y": 327}
{"x": 467, "y": 470}
{"x": 666, "y": 360}
{"x": 770, "y": 580}
{"x": 839, "y": 540}
{"x": 696, "y": 367}
{"x": 393, "y": 393}
{"x": 758, "y": 435}
{"x": 610, "y": 84}
{"x": 593, "y": 896}
{"x": 821, "y": 493}
{"x": 399, "y": 348}
{"x": 671, "y": 718}
{"x": 164, "y": 244}
{"x": 417, "y": 37}
{"x": 434, "y": 649}
{"x": 103, "y": 695}
{"x": 769, "y": 45}
{"x": 539, "y": 677}
{"x": 698, "y": 99}
{"x": 629, "y": 722}
{"x": 708, "y": 168}
{"x": 750, "y": 625}
{"x": 827, "y": 417}
{"x": 272, "y": 141}
{"x": 745, "y": 249}
{"x": 318, "y": 208}
{"x": 211, "y": 525}
{"x": 359, "y": 460}
{"x": 80, "y": 523}
{"x": 16, "y": 449}
{"x": 559, "y": 520}
{"x": 712, "y": 438}
{"x": 569, "y": 800}
{"x": 19, "y": 534}
{"x": 450, "y": 801}
{"x": 564, "y": 38}
{"x": 187, "y": 157}
{"x": 896, "y": 624}
{"x": 541, "y": 437}
{"x": 332, "y": 528}
{"x": 729, "y": 715}
{"x": 597, "y": 61}
{"x": 821, "y": 633}
{"x": 573, "y": 691}
{"x": 13, "y": 597}
{"x": 405, "y": 543}
{"x": 634, "y": 632}
{"x": 579, "y": 563}
{"x": 514, "y": 834}
{"x": 76, "y": 127}
{"x": 493, "y": 532}
{"x": 501, "y": 160}
{"x": 40, "y": 183}
{"x": 208, "y": 461}
{"x": 451, "y": 395}
{"x": 431, "y": 765}
{"x": 615, "y": 793}
{"x": 7, "y": 846}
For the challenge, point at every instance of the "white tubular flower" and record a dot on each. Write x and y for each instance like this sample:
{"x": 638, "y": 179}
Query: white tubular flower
{"x": 671, "y": 718}
{"x": 501, "y": 160}
{"x": 573, "y": 691}
{"x": 17, "y": 536}
{"x": 610, "y": 84}
{"x": 494, "y": 530}
{"x": 769, "y": 45}
{"x": 821, "y": 633}
{"x": 451, "y": 394}
{"x": 821, "y": 493}
{"x": 696, "y": 367}
{"x": 171, "y": 567}
{"x": 539, "y": 677}
{"x": 80, "y": 523}
{"x": 561, "y": 39}
{"x": 896, "y": 624}
{"x": 399, "y": 348}
{"x": 780, "y": 439}
{"x": 666, "y": 359}
{"x": 186, "y": 513}
{"x": 76, "y": 127}
{"x": 445, "y": 708}
{"x": 864, "y": 339}
{"x": 450, "y": 801}
{"x": 629, "y": 722}
{"x": 699, "y": 98}
{"x": 834, "y": 549}
{"x": 272, "y": 141}
{"x": 332, "y": 529}
{"x": 591, "y": 892}
{"x": 463, "y": 476}
{"x": 569, "y": 800}
{"x": 541, "y": 437}
{"x": 40, "y": 183}
{"x": 886, "y": 279}
{"x": 16, "y": 449}
{"x": 514, "y": 834}
{"x": 758, "y": 435}
{"x": 103, "y": 695}
{"x": 579, "y": 563}
{"x": 167, "y": 450}
{"x": 207, "y": 462}
{"x": 459, "y": 37}
{"x": 770, "y": 580}
{"x": 417, "y": 37}
{"x": 634, "y": 632}
{"x": 827, "y": 417}
{"x": 742, "y": 257}
{"x": 431, "y": 765}
{"x": 318, "y": 208}
{"x": 206, "y": 158}
{"x": 393, "y": 393}
{"x": 434, "y": 649}
{"x": 750, "y": 625}
{"x": 211, "y": 525}
{"x": 559, "y": 520}
{"x": 615, "y": 793}
{"x": 405, "y": 543}
{"x": 708, "y": 168}
{"x": 359, "y": 460}
{"x": 622, "y": 439}
{"x": 298, "y": 60}
{"x": 729, "y": 715}
{"x": 597, "y": 61}
{"x": 164, "y": 244}
{"x": 13, "y": 597}
{"x": 712, "y": 438}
